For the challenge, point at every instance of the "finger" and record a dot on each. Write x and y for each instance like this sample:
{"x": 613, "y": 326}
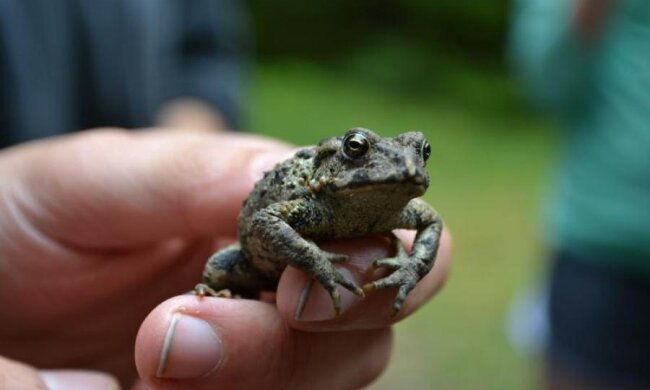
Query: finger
{"x": 136, "y": 188}
{"x": 14, "y": 375}
{"x": 373, "y": 311}
{"x": 243, "y": 344}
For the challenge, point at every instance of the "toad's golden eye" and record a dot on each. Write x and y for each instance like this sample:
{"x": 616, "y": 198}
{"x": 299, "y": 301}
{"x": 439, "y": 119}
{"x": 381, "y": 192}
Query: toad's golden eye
{"x": 355, "y": 145}
{"x": 425, "y": 151}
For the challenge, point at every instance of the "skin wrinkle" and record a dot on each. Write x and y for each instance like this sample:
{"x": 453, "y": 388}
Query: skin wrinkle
{"x": 41, "y": 204}
{"x": 190, "y": 253}
{"x": 289, "y": 358}
{"x": 19, "y": 205}
{"x": 98, "y": 273}
{"x": 170, "y": 256}
{"x": 44, "y": 246}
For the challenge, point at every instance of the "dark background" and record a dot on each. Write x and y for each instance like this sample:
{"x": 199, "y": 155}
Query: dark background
{"x": 332, "y": 30}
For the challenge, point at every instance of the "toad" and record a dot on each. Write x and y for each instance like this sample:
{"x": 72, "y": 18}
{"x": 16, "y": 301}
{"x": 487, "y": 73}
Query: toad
{"x": 358, "y": 184}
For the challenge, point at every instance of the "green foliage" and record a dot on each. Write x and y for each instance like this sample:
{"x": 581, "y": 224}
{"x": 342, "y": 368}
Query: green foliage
{"x": 331, "y": 29}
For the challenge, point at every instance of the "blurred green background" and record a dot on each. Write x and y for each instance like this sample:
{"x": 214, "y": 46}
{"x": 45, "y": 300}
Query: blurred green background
{"x": 439, "y": 67}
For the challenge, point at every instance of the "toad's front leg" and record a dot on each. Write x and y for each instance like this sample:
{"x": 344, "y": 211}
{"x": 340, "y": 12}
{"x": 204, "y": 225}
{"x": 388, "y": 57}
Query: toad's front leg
{"x": 275, "y": 237}
{"x": 408, "y": 270}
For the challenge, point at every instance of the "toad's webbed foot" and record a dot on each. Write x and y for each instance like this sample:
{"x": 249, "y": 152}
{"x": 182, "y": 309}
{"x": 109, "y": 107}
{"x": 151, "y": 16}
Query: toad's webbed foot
{"x": 328, "y": 276}
{"x": 407, "y": 272}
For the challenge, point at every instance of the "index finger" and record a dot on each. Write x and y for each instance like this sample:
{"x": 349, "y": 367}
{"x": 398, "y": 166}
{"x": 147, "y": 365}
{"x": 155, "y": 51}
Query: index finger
{"x": 112, "y": 189}
{"x": 371, "y": 312}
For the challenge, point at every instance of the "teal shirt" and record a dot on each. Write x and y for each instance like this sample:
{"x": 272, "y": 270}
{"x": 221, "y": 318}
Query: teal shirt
{"x": 600, "y": 207}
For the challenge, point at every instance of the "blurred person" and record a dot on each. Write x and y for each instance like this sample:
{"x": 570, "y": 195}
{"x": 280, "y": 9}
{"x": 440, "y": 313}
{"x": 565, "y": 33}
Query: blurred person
{"x": 588, "y": 63}
{"x": 98, "y": 228}
{"x": 78, "y": 64}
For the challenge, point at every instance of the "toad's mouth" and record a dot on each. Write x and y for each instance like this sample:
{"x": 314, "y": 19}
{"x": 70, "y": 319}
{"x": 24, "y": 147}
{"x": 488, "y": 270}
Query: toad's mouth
{"x": 407, "y": 187}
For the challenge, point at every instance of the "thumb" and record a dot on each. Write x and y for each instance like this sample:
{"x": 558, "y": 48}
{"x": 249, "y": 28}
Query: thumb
{"x": 108, "y": 188}
{"x": 194, "y": 343}
{"x": 14, "y": 375}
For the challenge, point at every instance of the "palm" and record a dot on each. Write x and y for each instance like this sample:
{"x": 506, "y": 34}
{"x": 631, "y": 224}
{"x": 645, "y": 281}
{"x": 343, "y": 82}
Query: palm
{"x": 83, "y": 309}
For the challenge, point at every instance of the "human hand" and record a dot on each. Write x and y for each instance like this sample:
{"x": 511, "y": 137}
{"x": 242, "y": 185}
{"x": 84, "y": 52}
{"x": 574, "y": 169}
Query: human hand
{"x": 97, "y": 228}
{"x": 243, "y": 344}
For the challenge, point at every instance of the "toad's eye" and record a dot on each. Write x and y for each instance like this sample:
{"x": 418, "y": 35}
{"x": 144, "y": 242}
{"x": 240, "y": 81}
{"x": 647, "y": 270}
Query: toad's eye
{"x": 425, "y": 150}
{"x": 355, "y": 145}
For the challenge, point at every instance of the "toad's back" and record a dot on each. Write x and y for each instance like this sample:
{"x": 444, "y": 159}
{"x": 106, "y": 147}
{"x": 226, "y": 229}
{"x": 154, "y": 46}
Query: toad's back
{"x": 286, "y": 181}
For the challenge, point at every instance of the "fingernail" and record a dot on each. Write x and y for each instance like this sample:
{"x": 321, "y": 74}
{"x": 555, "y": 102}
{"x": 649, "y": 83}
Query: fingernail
{"x": 319, "y": 306}
{"x": 266, "y": 161}
{"x": 77, "y": 380}
{"x": 191, "y": 349}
